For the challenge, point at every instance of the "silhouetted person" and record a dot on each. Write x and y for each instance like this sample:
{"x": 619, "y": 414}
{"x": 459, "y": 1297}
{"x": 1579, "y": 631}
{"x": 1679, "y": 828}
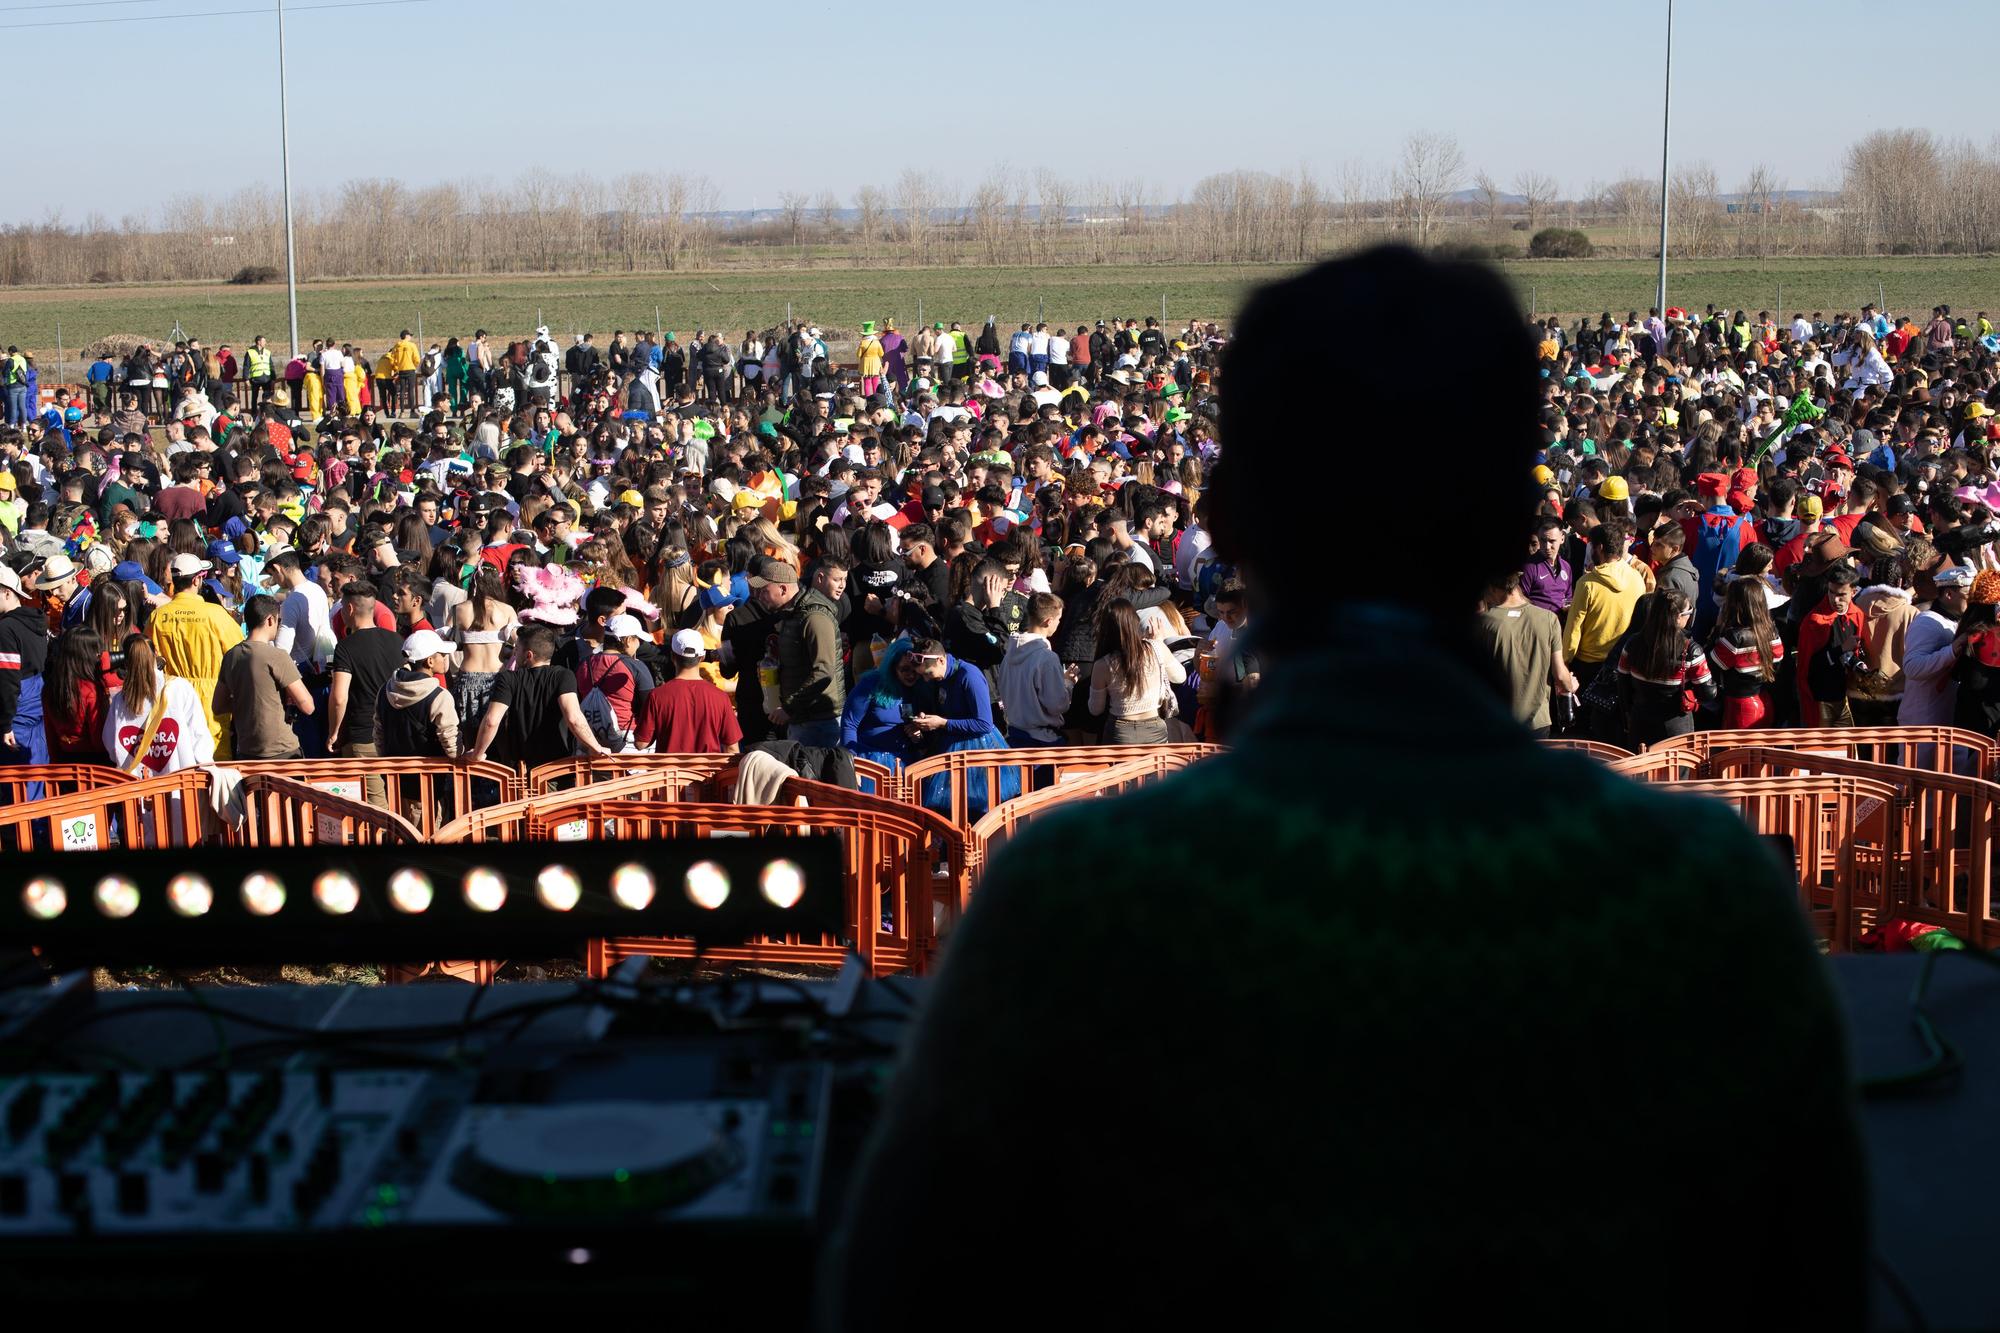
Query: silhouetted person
{"x": 1388, "y": 1016}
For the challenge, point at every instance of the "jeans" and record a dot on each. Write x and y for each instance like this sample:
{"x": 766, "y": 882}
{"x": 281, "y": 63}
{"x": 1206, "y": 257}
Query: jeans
{"x": 823, "y": 735}
{"x": 18, "y": 407}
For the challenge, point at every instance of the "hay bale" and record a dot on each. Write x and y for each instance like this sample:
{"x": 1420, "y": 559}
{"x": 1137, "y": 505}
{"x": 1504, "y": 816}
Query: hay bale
{"x": 117, "y": 346}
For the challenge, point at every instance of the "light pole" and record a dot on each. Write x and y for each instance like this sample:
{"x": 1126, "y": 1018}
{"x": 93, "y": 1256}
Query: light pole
{"x": 285, "y": 150}
{"x": 1666, "y": 123}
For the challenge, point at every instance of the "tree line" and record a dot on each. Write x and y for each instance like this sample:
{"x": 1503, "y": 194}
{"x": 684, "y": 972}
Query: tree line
{"x": 1901, "y": 192}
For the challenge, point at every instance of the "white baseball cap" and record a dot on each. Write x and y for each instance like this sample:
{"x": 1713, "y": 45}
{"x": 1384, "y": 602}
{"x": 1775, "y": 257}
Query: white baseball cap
{"x": 424, "y": 643}
{"x": 10, "y": 581}
{"x": 187, "y": 566}
{"x": 688, "y": 644}
{"x": 624, "y": 627}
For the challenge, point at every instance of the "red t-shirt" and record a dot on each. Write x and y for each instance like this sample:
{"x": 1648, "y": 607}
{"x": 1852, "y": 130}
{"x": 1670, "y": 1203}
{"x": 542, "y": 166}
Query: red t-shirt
{"x": 384, "y": 619}
{"x": 688, "y": 717}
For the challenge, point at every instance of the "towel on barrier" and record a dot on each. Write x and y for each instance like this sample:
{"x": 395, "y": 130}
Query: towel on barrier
{"x": 225, "y": 795}
{"x": 759, "y": 778}
{"x": 812, "y": 762}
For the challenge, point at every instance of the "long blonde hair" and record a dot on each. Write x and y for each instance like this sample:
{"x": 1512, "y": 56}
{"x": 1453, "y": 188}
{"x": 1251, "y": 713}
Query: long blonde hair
{"x": 141, "y": 674}
{"x": 764, "y": 534}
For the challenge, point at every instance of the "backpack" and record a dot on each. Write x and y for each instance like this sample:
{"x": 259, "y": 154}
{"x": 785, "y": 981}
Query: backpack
{"x": 597, "y": 710}
{"x": 408, "y": 731}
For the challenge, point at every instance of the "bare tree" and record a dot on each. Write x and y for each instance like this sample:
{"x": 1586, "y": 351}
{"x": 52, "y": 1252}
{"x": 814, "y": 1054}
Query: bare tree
{"x": 1429, "y": 172}
{"x": 1695, "y": 220}
{"x": 1758, "y": 202}
{"x": 916, "y": 200}
{"x": 1491, "y": 199}
{"x": 828, "y": 209}
{"x": 1537, "y": 192}
{"x": 870, "y": 207}
{"x": 792, "y": 208}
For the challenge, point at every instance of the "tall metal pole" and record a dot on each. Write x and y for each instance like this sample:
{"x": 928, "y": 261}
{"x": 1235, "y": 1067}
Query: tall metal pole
{"x": 1666, "y": 124}
{"x": 285, "y": 138}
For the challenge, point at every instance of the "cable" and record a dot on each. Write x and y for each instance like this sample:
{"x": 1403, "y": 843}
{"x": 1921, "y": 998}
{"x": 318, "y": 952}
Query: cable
{"x": 204, "y": 14}
{"x": 1901, "y": 1291}
{"x": 78, "y": 4}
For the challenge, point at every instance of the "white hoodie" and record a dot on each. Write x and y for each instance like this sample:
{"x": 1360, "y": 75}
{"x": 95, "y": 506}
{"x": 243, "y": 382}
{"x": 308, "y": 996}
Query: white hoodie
{"x": 1033, "y": 688}
{"x": 182, "y": 741}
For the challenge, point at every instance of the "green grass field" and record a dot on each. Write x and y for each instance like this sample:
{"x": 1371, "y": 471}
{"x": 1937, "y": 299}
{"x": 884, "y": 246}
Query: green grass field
{"x": 372, "y": 312}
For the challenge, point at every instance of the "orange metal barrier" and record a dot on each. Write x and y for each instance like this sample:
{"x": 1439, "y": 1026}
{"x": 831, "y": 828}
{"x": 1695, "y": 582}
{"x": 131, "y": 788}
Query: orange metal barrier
{"x": 890, "y": 894}
{"x": 283, "y": 812}
{"x": 1926, "y": 856}
{"x": 429, "y": 793}
{"x": 163, "y": 811}
{"x": 1822, "y": 813}
{"x": 1664, "y": 765}
{"x": 1936, "y": 749}
{"x": 1595, "y": 749}
{"x": 997, "y": 825}
{"x": 508, "y": 821}
{"x": 569, "y": 774}
{"x": 1056, "y": 763}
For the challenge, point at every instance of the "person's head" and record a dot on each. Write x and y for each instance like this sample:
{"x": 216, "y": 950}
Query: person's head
{"x": 536, "y": 644}
{"x": 1954, "y": 589}
{"x": 1491, "y": 499}
{"x": 1840, "y": 579}
{"x": 260, "y": 617}
{"x": 358, "y": 600}
{"x": 1044, "y": 613}
{"x": 923, "y": 660}
{"x": 829, "y": 578}
{"x": 599, "y": 606}
{"x": 1667, "y": 542}
{"x": 773, "y": 584}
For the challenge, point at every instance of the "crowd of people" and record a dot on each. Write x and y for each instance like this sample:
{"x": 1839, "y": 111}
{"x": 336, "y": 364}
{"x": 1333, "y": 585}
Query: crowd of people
{"x": 1753, "y": 522}
{"x": 501, "y": 552}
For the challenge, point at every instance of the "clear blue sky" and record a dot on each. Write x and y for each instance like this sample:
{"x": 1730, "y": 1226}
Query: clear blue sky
{"x": 776, "y": 96}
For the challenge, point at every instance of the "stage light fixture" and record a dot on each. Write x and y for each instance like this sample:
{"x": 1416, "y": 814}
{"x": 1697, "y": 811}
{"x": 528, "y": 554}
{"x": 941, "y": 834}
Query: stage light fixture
{"x": 117, "y": 897}
{"x": 632, "y": 886}
{"x": 707, "y": 885}
{"x": 558, "y": 888}
{"x": 190, "y": 895}
{"x": 336, "y": 892}
{"x": 783, "y": 883}
{"x": 263, "y": 895}
{"x": 44, "y": 899}
{"x": 485, "y": 890}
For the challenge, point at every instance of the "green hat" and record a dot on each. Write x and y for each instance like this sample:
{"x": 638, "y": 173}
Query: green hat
{"x": 868, "y": 326}
{"x": 703, "y": 428}
{"x": 1176, "y": 414}
{"x": 938, "y": 325}
{"x": 767, "y": 430}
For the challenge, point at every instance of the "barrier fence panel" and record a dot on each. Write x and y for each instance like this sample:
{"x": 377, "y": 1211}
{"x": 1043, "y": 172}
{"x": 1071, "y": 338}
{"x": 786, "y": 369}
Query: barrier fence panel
{"x": 163, "y": 811}
{"x": 998, "y": 824}
{"x": 1926, "y": 857}
{"x": 1595, "y": 749}
{"x": 429, "y": 793}
{"x": 1936, "y": 749}
{"x": 284, "y": 812}
{"x": 22, "y": 785}
{"x": 582, "y": 771}
{"x": 508, "y": 821}
{"x": 954, "y": 784}
{"x": 886, "y": 866}
{"x": 1821, "y": 814}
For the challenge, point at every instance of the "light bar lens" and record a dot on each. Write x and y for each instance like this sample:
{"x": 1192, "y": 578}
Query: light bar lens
{"x": 632, "y": 887}
{"x": 783, "y": 883}
{"x": 411, "y": 891}
{"x": 263, "y": 895}
{"x": 707, "y": 885}
{"x": 190, "y": 895}
{"x": 485, "y": 890}
{"x": 558, "y": 888}
{"x": 336, "y": 893}
{"x": 44, "y": 899}
{"x": 117, "y": 897}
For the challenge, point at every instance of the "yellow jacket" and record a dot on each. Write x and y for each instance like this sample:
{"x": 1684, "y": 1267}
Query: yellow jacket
{"x": 191, "y": 635}
{"x": 404, "y": 356}
{"x": 1601, "y": 611}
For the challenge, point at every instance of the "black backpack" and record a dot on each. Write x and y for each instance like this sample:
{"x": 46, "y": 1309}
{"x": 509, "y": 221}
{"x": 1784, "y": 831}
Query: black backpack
{"x": 408, "y": 732}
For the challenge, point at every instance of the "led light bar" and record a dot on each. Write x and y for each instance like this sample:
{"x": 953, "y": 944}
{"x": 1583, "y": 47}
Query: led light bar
{"x": 410, "y": 903}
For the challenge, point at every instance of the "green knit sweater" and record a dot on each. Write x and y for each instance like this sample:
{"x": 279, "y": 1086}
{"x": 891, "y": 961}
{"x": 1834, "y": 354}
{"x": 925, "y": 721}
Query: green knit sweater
{"x": 1389, "y": 1014}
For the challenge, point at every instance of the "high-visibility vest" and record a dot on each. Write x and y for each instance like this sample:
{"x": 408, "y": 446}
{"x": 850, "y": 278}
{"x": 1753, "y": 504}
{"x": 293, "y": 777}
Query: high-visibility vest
{"x": 259, "y": 361}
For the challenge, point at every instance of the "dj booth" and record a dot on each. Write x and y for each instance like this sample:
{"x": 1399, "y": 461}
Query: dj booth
{"x": 626, "y": 1144}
